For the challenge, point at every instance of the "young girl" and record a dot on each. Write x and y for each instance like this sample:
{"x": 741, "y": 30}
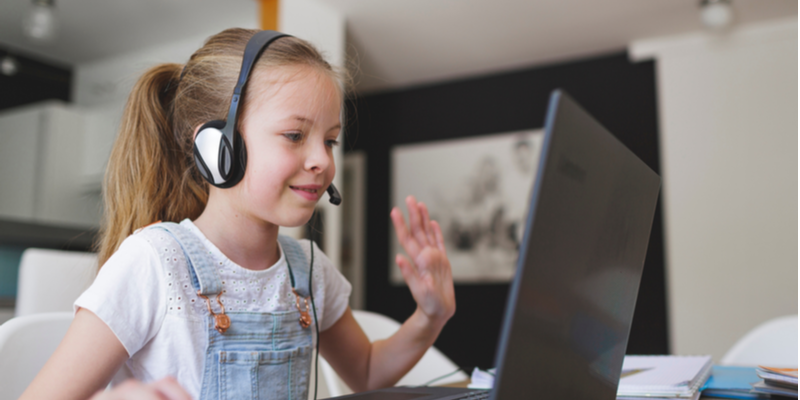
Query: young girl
{"x": 143, "y": 315}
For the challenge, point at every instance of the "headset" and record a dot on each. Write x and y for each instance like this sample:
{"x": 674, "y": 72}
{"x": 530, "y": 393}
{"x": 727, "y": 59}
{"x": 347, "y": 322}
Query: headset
{"x": 219, "y": 151}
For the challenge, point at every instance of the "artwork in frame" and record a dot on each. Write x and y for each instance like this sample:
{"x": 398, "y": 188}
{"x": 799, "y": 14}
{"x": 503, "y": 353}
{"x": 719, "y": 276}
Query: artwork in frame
{"x": 478, "y": 190}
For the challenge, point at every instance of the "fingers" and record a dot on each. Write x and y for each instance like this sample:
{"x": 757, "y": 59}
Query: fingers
{"x": 164, "y": 389}
{"x": 422, "y": 231}
{"x": 416, "y": 221}
{"x": 130, "y": 389}
{"x": 437, "y": 232}
{"x": 171, "y": 390}
{"x": 426, "y": 218}
{"x": 403, "y": 235}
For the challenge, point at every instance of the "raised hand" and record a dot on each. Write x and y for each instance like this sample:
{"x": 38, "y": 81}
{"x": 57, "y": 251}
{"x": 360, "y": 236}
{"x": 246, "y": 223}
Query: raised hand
{"x": 427, "y": 272}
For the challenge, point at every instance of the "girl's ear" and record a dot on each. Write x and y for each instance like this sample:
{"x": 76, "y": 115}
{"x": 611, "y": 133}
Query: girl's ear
{"x": 196, "y": 129}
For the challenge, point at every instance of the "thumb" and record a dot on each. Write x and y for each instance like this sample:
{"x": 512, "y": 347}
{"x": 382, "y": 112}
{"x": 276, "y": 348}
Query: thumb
{"x": 408, "y": 270}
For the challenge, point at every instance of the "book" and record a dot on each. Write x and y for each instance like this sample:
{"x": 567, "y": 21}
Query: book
{"x": 762, "y": 387}
{"x": 776, "y": 381}
{"x": 663, "y": 376}
{"x": 732, "y": 383}
{"x": 780, "y": 376}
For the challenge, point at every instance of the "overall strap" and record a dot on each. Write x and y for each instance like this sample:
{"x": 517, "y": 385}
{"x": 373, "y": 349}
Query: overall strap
{"x": 297, "y": 262}
{"x": 204, "y": 278}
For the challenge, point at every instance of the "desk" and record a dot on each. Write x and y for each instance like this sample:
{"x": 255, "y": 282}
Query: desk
{"x": 463, "y": 384}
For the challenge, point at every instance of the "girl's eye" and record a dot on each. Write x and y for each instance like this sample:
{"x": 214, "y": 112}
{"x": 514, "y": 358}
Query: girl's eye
{"x": 332, "y": 143}
{"x": 294, "y": 136}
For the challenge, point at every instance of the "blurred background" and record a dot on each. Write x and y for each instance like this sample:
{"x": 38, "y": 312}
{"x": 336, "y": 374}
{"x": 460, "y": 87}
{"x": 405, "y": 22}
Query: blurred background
{"x": 705, "y": 92}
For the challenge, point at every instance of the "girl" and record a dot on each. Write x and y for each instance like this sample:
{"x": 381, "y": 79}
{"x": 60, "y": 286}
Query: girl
{"x": 143, "y": 315}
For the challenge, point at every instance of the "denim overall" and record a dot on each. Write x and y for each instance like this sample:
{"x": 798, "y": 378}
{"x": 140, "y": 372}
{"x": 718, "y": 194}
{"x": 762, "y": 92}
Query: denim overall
{"x": 260, "y": 355}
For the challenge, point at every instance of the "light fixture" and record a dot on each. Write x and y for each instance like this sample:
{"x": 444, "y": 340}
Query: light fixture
{"x": 716, "y": 14}
{"x": 9, "y": 65}
{"x": 40, "y": 23}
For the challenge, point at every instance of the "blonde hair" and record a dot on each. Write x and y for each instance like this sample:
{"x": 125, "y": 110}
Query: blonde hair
{"x": 151, "y": 174}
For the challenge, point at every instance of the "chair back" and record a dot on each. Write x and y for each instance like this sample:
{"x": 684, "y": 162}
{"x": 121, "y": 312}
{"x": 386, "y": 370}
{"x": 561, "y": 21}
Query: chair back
{"x": 26, "y": 343}
{"x": 773, "y": 344}
{"x": 51, "y": 280}
{"x": 376, "y": 326}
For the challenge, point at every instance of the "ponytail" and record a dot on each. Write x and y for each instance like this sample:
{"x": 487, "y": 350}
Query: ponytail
{"x": 149, "y": 177}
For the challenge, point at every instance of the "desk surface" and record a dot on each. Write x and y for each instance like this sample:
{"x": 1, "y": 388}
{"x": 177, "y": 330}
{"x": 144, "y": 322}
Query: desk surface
{"x": 463, "y": 384}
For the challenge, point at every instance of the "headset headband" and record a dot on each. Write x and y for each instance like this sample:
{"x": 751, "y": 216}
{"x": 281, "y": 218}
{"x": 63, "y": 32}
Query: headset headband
{"x": 255, "y": 46}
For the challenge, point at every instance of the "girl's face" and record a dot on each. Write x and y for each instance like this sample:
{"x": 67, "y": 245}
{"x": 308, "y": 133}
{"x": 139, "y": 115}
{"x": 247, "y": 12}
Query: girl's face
{"x": 290, "y": 127}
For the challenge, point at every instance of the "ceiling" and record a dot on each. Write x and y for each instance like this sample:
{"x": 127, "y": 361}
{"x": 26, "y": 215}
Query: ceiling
{"x": 395, "y": 43}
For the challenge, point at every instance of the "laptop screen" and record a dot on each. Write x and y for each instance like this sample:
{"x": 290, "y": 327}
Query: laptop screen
{"x": 571, "y": 303}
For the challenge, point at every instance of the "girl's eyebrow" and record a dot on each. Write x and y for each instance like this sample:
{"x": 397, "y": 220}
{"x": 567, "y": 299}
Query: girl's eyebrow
{"x": 335, "y": 127}
{"x": 306, "y": 120}
{"x": 301, "y": 119}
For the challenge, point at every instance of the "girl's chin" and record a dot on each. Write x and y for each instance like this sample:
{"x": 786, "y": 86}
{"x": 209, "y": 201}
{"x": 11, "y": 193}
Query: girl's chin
{"x": 286, "y": 215}
{"x": 297, "y": 221}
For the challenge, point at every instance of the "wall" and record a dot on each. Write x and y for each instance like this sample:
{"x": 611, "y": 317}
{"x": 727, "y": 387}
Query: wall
{"x": 728, "y": 112}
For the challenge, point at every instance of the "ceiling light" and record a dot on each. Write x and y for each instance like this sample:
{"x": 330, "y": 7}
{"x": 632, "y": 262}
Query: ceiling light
{"x": 39, "y": 23}
{"x": 716, "y": 14}
{"x": 9, "y": 66}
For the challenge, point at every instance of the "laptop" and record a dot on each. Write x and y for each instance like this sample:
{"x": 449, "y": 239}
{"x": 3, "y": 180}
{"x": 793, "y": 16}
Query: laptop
{"x": 571, "y": 302}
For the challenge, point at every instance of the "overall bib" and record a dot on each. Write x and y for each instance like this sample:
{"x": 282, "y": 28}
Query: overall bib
{"x": 257, "y": 355}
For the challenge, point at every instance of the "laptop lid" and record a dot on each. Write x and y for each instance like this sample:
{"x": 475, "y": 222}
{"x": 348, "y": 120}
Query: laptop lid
{"x": 571, "y": 303}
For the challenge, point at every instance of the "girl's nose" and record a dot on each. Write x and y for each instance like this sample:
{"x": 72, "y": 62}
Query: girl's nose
{"x": 318, "y": 159}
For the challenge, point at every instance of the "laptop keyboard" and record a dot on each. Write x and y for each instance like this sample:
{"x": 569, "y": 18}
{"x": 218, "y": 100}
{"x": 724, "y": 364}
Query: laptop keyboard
{"x": 476, "y": 395}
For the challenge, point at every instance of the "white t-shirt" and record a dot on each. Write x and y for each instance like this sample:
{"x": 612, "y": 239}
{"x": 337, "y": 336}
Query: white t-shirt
{"x": 144, "y": 294}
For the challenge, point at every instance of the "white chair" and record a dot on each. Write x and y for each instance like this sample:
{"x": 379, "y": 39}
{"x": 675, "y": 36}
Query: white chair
{"x": 433, "y": 364}
{"x": 26, "y": 343}
{"x": 51, "y": 280}
{"x": 773, "y": 343}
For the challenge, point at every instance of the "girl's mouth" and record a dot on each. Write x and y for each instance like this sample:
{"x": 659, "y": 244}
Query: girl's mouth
{"x": 306, "y": 192}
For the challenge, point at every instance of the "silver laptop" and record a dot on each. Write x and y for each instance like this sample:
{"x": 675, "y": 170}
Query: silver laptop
{"x": 571, "y": 302}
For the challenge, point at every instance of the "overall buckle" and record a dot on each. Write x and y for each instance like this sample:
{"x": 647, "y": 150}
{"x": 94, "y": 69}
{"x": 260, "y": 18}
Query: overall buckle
{"x": 221, "y": 321}
{"x": 305, "y": 317}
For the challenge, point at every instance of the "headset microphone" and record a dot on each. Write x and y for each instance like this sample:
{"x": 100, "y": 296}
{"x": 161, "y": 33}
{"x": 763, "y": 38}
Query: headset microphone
{"x": 336, "y": 198}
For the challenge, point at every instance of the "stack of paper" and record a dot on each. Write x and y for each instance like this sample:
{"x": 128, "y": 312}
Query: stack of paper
{"x": 676, "y": 377}
{"x": 481, "y": 379}
{"x": 643, "y": 377}
{"x": 777, "y": 381}
{"x": 732, "y": 383}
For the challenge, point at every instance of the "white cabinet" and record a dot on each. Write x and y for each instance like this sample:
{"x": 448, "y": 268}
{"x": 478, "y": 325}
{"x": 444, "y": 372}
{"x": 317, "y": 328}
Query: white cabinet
{"x": 19, "y": 143}
{"x": 42, "y": 158}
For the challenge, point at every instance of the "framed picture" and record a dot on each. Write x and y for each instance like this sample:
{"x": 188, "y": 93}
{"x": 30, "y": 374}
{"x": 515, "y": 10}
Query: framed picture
{"x": 477, "y": 189}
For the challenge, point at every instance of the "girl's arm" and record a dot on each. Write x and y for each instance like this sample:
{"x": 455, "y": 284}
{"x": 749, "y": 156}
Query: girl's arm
{"x": 366, "y": 366}
{"x": 83, "y": 363}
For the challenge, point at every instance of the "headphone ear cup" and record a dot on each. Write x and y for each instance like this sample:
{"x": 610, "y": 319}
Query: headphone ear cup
{"x": 242, "y": 154}
{"x": 201, "y": 166}
{"x": 238, "y": 162}
{"x": 206, "y": 151}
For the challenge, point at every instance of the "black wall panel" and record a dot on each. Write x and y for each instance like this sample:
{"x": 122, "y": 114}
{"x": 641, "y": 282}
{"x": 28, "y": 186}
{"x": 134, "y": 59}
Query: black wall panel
{"x": 620, "y": 94}
{"x": 35, "y": 80}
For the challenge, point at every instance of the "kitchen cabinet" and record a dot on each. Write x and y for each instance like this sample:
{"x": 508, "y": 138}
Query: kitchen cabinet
{"x": 43, "y": 179}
